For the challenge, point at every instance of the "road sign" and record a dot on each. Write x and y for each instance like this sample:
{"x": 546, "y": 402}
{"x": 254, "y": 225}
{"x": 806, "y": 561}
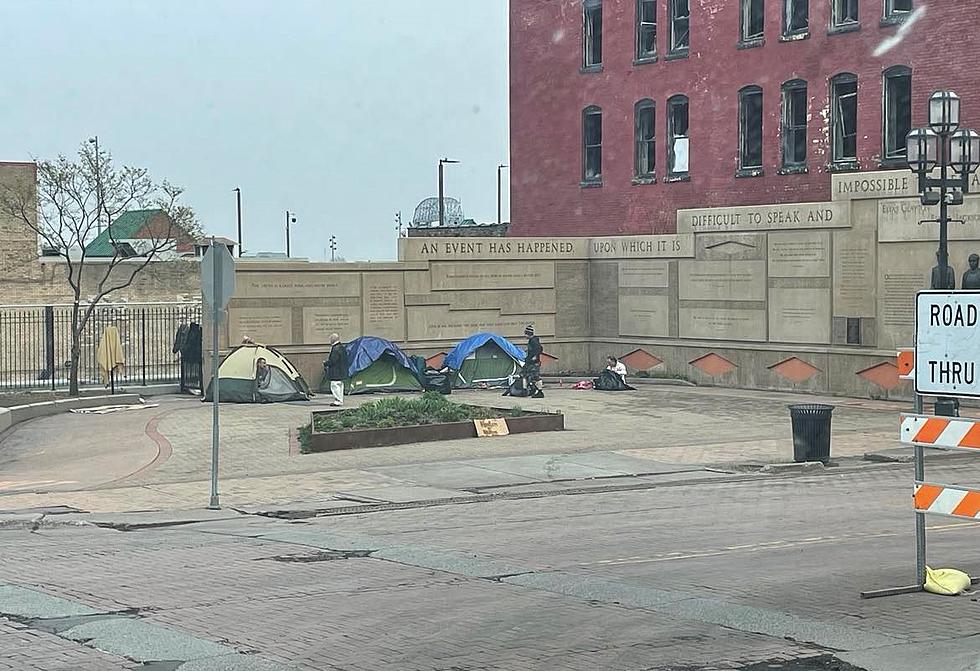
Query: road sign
{"x": 947, "y": 343}
{"x": 217, "y": 277}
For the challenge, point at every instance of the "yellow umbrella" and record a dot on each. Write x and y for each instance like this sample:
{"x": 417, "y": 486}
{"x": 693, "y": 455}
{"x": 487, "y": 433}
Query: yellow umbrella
{"x": 110, "y": 354}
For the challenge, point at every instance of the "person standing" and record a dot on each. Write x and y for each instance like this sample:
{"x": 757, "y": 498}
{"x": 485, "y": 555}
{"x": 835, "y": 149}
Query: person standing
{"x": 532, "y": 363}
{"x": 337, "y": 368}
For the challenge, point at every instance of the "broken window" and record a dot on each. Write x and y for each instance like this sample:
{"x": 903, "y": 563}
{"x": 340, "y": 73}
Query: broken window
{"x": 845, "y": 13}
{"x": 592, "y": 144}
{"x": 794, "y": 123}
{"x": 897, "y": 112}
{"x": 750, "y": 128}
{"x": 896, "y": 8}
{"x": 843, "y": 112}
{"x": 753, "y": 20}
{"x": 592, "y": 33}
{"x": 679, "y": 12}
{"x": 646, "y": 29}
{"x": 645, "y": 139}
{"x": 796, "y": 17}
{"x": 678, "y": 141}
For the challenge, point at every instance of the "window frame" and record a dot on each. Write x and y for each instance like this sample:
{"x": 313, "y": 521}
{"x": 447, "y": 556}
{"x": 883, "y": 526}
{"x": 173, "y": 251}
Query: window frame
{"x": 591, "y": 39}
{"x": 744, "y": 95}
{"x": 641, "y": 56}
{"x": 673, "y": 102}
{"x": 644, "y": 176}
{"x": 836, "y": 161}
{"x": 595, "y": 179}
{"x": 794, "y": 33}
{"x": 838, "y": 25}
{"x": 673, "y": 49}
{"x": 745, "y": 11}
{"x": 890, "y": 15}
{"x": 789, "y": 128}
{"x": 890, "y": 156}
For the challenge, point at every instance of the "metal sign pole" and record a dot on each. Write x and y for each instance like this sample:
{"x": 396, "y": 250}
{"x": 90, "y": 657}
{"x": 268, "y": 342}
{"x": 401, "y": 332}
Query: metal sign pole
{"x": 920, "y": 517}
{"x": 215, "y": 383}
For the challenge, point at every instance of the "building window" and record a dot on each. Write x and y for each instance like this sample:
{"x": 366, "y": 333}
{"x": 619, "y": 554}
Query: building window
{"x": 796, "y": 17}
{"x": 753, "y": 20}
{"x": 750, "y": 129}
{"x": 645, "y": 140}
{"x": 843, "y": 118}
{"x": 592, "y": 145}
{"x": 844, "y": 13}
{"x": 897, "y": 111}
{"x": 794, "y": 124}
{"x": 897, "y": 9}
{"x": 678, "y": 150}
{"x": 679, "y": 12}
{"x": 646, "y": 29}
{"x": 592, "y": 34}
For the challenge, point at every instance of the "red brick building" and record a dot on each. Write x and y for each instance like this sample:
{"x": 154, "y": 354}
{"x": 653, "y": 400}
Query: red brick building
{"x": 624, "y": 111}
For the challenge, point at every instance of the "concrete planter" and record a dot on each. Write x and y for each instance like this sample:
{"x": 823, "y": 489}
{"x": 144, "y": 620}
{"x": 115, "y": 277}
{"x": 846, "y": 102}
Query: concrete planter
{"x": 352, "y": 440}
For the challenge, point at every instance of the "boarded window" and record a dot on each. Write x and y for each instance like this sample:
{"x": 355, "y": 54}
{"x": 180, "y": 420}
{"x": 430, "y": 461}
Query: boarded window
{"x": 680, "y": 24}
{"x": 845, "y": 12}
{"x": 592, "y": 144}
{"x": 679, "y": 141}
{"x": 753, "y": 19}
{"x": 646, "y": 29}
{"x": 794, "y": 123}
{"x": 592, "y": 33}
{"x": 645, "y": 131}
{"x": 750, "y": 128}
{"x": 897, "y": 112}
{"x": 796, "y": 16}
{"x": 843, "y": 111}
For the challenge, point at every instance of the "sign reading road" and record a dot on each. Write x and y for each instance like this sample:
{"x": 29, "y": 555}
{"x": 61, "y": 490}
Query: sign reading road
{"x": 947, "y": 343}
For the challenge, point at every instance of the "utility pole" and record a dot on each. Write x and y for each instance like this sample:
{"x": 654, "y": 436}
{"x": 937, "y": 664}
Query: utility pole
{"x": 333, "y": 248}
{"x": 98, "y": 189}
{"x": 290, "y": 218}
{"x": 238, "y": 202}
{"x": 499, "y": 170}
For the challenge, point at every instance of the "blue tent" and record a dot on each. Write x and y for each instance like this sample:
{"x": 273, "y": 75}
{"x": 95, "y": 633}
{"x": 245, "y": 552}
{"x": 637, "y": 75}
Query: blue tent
{"x": 376, "y": 364}
{"x": 485, "y": 359}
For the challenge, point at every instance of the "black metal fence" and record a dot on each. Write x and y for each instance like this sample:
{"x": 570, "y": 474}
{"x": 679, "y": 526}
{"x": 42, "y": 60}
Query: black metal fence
{"x": 35, "y": 344}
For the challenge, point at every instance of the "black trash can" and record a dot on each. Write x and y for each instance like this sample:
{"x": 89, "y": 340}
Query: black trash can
{"x": 811, "y": 431}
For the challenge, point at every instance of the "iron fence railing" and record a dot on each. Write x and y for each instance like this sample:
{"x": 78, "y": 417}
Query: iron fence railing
{"x": 35, "y": 344}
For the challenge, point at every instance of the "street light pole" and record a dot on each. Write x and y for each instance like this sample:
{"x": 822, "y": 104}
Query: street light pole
{"x": 238, "y": 203}
{"x": 290, "y": 218}
{"x": 442, "y": 202}
{"x": 499, "y": 169}
{"x": 98, "y": 189}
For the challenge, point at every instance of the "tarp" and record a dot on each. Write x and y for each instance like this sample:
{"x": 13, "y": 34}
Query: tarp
{"x": 454, "y": 359}
{"x": 238, "y": 384}
{"x": 376, "y": 364}
{"x": 363, "y": 351}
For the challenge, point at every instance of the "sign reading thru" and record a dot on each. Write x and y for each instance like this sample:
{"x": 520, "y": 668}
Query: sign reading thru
{"x": 947, "y": 343}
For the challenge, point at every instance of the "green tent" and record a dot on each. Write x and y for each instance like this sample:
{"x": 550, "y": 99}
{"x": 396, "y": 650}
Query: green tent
{"x": 487, "y": 366}
{"x": 385, "y": 374}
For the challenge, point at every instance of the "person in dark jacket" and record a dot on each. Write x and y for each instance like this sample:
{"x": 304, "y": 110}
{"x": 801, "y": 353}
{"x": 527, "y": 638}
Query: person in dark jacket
{"x": 532, "y": 363}
{"x": 336, "y": 368}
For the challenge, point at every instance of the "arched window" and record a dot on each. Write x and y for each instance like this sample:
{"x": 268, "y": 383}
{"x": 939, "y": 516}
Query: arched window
{"x": 678, "y": 138}
{"x": 750, "y": 128}
{"x": 843, "y": 118}
{"x": 794, "y": 123}
{"x": 645, "y": 135}
{"x": 592, "y": 144}
{"x": 896, "y": 111}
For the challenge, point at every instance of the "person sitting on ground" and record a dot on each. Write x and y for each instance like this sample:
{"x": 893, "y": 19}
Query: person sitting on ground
{"x": 263, "y": 375}
{"x": 616, "y": 366}
{"x": 336, "y": 368}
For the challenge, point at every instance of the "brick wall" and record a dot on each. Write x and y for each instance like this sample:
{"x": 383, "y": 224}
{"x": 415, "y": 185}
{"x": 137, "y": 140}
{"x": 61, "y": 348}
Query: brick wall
{"x": 548, "y": 93}
{"x": 26, "y": 279}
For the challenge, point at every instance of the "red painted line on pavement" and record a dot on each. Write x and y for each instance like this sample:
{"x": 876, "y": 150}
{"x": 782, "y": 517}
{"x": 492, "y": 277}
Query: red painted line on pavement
{"x": 164, "y": 450}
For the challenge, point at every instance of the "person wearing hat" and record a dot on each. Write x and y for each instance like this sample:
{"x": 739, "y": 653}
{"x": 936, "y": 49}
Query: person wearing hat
{"x": 532, "y": 363}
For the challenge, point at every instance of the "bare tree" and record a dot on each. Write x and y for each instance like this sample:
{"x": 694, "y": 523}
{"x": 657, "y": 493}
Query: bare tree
{"x": 66, "y": 208}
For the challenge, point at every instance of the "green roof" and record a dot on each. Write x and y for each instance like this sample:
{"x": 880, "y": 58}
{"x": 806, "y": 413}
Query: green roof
{"x": 126, "y": 226}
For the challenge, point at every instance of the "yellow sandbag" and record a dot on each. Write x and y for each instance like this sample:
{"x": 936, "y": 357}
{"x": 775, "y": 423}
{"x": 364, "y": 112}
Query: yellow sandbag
{"x": 946, "y": 581}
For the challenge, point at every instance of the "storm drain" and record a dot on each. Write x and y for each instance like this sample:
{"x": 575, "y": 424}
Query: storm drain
{"x": 322, "y": 555}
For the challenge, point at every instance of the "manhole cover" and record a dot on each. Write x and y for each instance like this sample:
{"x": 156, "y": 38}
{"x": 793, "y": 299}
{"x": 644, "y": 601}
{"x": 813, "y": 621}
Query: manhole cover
{"x": 323, "y": 555}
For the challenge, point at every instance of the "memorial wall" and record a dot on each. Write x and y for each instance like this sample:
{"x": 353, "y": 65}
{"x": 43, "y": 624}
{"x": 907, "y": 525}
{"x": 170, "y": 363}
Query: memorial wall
{"x": 810, "y": 296}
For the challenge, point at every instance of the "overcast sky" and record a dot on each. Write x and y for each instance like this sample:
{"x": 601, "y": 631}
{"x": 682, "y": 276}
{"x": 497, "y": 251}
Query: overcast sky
{"x": 335, "y": 109}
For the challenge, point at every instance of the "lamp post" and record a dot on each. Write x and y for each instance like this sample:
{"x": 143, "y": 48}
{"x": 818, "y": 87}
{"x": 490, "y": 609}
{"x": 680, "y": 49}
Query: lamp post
{"x": 98, "y": 187}
{"x": 956, "y": 153}
{"x": 238, "y": 203}
{"x": 442, "y": 202}
{"x": 290, "y": 219}
{"x": 499, "y": 170}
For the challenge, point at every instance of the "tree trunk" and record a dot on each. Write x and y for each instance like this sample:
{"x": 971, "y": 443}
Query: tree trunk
{"x": 76, "y": 351}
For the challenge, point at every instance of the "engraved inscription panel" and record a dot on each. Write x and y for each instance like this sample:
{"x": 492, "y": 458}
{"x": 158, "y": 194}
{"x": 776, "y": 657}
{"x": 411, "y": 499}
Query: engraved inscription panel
{"x": 493, "y": 275}
{"x": 722, "y": 280}
{"x": 269, "y": 326}
{"x": 799, "y": 254}
{"x": 384, "y": 305}
{"x": 723, "y": 324}
{"x": 296, "y": 285}
{"x": 799, "y": 315}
